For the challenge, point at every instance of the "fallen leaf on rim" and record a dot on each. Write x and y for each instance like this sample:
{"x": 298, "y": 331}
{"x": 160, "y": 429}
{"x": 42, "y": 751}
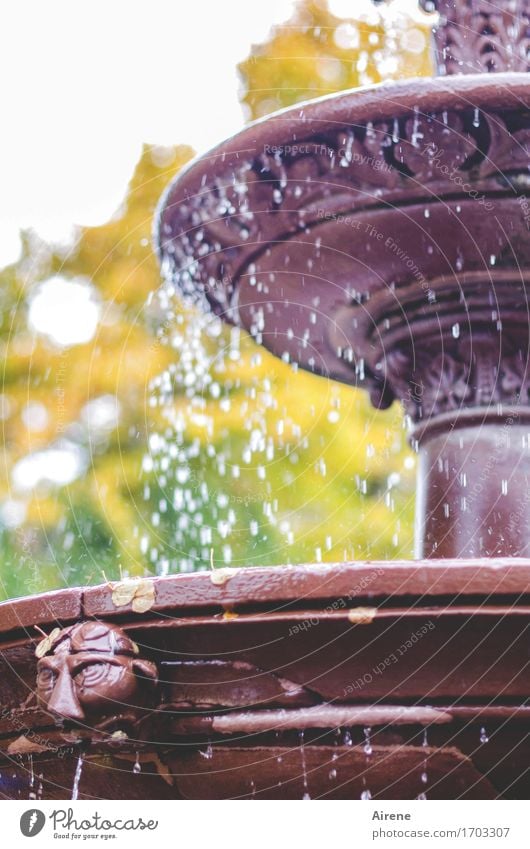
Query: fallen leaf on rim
{"x": 361, "y": 615}
{"x": 45, "y": 645}
{"x": 221, "y": 576}
{"x": 229, "y": 614}
{"x": 139, "y": 594}
{"x": 144, "y": 597}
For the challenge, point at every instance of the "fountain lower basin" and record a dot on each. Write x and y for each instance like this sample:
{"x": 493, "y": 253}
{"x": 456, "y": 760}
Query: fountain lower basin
{"x": 367, "y": 680}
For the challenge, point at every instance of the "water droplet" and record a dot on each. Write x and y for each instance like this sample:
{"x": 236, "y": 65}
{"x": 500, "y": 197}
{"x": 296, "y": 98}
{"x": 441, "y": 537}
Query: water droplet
{"x": 208, "y": 752}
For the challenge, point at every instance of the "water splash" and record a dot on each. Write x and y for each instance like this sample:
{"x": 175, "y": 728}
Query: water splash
{"x": 228, "y": 439}
{"x": 137, "y": 766}
{"x": 483, "y": 736}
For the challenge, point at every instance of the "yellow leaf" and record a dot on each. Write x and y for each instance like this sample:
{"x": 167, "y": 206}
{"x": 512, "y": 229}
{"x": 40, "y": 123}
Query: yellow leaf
{"x": 361, "y": 615}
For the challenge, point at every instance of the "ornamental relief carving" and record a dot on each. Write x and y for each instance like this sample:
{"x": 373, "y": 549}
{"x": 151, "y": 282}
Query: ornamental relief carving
{"x": 286, "y": 190}
{"x": 92, "y": 672}
{"x": 468, "y": 373}
{"x": 482, "y": 36}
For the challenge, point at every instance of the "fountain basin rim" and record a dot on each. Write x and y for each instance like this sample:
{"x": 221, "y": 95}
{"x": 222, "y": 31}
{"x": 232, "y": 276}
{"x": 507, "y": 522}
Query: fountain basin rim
{"x": 380, "y": 101}
{"x": 245, "y": 587}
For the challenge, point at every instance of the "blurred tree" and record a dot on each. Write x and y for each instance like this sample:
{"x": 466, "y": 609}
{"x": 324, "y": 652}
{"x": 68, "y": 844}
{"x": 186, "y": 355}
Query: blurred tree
{"x": 156, "y": 446}
{"x": 80, "y": 405}
{"x": 317, "y": 53}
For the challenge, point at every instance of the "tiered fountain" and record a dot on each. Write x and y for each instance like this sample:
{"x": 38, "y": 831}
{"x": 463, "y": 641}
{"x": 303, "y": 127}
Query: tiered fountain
{"x": 379, "y": 237}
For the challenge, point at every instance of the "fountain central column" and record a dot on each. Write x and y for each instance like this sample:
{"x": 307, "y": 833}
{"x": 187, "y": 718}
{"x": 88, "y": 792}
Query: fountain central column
{"x": 473, "y": 494}
{"x": 456, "y": 354}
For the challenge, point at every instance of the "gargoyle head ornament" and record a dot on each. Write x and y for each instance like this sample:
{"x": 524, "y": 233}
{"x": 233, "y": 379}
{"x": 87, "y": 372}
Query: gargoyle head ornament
{"x": 92, "y": 670}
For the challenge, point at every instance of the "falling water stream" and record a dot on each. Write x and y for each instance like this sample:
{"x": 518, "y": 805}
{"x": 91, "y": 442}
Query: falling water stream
{"x": 367, "y": 742}
{"x": 306, "y": 794}
{"x": 368, "y": 751}
{"x": 424, "y": 777}
{"x": 32, "y": 794}
{"x": 77, "y": 777}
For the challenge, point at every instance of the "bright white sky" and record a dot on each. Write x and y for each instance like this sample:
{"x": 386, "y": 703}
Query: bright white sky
{"x": 85, "y": 82}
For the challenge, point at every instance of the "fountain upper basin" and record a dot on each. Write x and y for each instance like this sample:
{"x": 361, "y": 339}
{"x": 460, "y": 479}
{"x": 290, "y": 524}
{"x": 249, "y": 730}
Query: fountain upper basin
{"x": 351, "y": 234}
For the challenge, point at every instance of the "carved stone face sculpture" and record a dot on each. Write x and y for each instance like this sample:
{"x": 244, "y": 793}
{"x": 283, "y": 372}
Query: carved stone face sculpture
{"x": 92, "y": 670}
